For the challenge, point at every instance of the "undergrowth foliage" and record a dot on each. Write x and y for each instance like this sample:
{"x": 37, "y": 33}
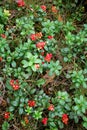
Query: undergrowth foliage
{"x": 43, "y": 66}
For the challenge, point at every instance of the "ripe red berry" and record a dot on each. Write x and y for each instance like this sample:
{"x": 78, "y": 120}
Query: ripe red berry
{"x": 38, "y": 35}
{"x": 40, "y": 45}
{"x": 44, "y": 120}
{"x": 15, "y": 86}
{"x": 50, "y": 37}
{"x": 20, "y": 3}
{"x": 43, "y": 7}
{"x": 51, "y": 107}
{"x": 65, "y": 119}
{"x": 7, "y": 115}
{"x": 11, "y": 82}
{"x": 31, "y": 103}
{"x": 42, "y": 62}
{"x": 33, "y": 37}
{"x": 48, "y": 57}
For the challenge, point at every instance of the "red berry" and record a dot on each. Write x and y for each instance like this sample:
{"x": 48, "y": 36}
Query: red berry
{"x": 33, "y": 37}
{"x": 20, "y": 3}
{"x": 37, "y": 66}
{"x": 7, "y": 115}
{"x": 51, "y": 107}
{"x": 40, "y": 45}
{"x": 44, "y": 121}
{"x": 65, "y": 119}
{"x": 15, "y": 86}
{"x": 48, "y": 57}
{"x": 38, "y": 35}
{"x": 3, "y": 35}
{"x": 42, "y": 62}
{"x": 50, "y": 37}
{"x": 11, "y": 82}
{"x": 43, "y": 7}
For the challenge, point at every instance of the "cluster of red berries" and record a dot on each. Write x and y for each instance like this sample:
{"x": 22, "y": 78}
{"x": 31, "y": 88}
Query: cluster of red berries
{"x": 41, "y": 45}
{"x": 7, "y": 115}
{"x": 65, "y": 119}
{"x": 39, "y": 35}
{"x": 36, "y": 36}
{"x": 14, "y": 84}
{"x": 31, "y": 103}
{"x": 48, "y": 57}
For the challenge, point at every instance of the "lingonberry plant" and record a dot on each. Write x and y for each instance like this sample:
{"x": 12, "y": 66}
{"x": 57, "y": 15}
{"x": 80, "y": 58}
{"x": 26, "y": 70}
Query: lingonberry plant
{"x": 43, "y": 65}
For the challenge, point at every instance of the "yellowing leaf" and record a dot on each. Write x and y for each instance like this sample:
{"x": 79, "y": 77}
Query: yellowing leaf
{"x": 6, "y": 12}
